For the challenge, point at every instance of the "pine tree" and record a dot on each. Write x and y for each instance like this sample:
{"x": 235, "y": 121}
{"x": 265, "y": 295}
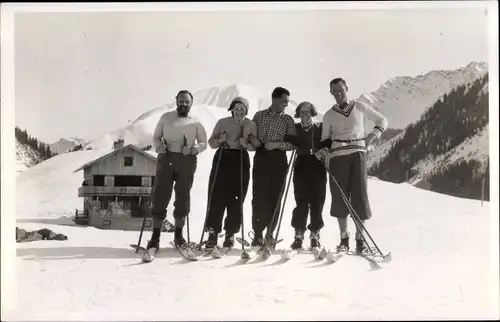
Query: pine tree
{"x": 458, "y": 115}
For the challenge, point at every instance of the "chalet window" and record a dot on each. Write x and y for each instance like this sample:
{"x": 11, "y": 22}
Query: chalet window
{"x": 99, "y": 180}
{"x": 128, "y": 161}
{"x": 128, "y": 181}
{"x": 106, "y": 222}
{"x": 147, "y": 224}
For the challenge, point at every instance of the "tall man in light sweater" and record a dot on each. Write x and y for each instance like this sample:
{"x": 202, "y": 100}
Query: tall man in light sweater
{"x": 178, "y": 138}
{"x": 345, "y": 153}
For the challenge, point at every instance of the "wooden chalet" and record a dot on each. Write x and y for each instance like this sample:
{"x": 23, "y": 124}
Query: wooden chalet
{"x": 116, "y": 189}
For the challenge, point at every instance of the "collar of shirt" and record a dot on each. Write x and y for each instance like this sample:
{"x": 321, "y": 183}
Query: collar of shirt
{"x": 269, "y": 111}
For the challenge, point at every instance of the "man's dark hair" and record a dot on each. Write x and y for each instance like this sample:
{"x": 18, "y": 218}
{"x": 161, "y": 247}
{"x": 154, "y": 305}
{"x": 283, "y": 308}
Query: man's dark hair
{"x": 338, "y": 80}
{"x": 184, "y": 91}
{"x": 279, "y": 91}
{"x": 314, "y": 112}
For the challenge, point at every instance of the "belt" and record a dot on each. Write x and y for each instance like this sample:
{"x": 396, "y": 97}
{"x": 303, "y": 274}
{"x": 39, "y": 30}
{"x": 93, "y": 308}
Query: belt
{"x": 230, "y": 149}
{"x": 348, "y": 141}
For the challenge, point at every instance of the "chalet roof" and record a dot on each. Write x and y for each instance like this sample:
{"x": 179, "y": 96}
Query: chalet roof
{"x": 147, "y": 154}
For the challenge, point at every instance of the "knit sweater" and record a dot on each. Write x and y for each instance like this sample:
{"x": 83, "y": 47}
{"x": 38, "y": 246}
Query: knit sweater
{"x": 343, "y": 128}
{"x": 307, "y": 141}
{"x": 234, "y": 131}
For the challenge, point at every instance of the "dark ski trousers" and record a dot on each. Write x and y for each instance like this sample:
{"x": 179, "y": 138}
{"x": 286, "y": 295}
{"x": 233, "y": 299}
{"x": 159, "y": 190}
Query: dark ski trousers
{"x": 269, "y": 174}
{"x": 174, "y": 171}
{"x": 351, "y": 174}
{"x": 226, "y": 195}
{"x": 309, "y": 185}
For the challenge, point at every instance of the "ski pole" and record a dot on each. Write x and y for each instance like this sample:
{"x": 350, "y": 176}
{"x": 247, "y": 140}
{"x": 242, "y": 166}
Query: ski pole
{"x": 355, "y": 217}
{"x": 185, "y": 186}
{"x": 278, "y": 203}
{"x": 241, "y": 202}
{"x": 286, "y": 194}
{"x": 210, "y": 192}
{"x": 352, "y": 211}
{"x": 140, "y": 234}
{"x": 244, "y": 255}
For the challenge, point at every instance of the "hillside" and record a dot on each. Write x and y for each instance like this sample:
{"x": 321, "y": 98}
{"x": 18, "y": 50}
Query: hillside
{"x": 65, "y": 145}
{"x": 404, "y": 99}
{"x": 29, "y": 150}
{"x": 453, "y": 130}
{"x": 26, "y": 156}
{"x": 383, "y": 145}
{"x": 50, "y": 188}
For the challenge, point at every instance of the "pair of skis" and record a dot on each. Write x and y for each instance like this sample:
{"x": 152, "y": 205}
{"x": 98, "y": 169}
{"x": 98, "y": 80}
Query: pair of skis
{"x": 334, "y": 256}
{"x": 319, "y": 254}
{"x": 148, "y": 255}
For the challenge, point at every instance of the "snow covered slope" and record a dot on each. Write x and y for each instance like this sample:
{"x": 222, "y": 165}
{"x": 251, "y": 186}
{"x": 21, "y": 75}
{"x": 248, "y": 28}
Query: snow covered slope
{"x": 26, "y": 157}
{"x": 50, "y": 188}
{"x": 404, "y": 99}
{"x": 65, "y": 145}
{"x": 436, "y": 273}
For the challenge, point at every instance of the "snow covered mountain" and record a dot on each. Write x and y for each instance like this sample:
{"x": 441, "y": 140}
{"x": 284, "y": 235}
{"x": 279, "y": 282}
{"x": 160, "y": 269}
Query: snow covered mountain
{"x": 404, "y": 99}
{"x": 448, "y": 146}
{"x": 209, "y": 105}
{"x": 26, "y": 157}
{"x": 65, "y": 145}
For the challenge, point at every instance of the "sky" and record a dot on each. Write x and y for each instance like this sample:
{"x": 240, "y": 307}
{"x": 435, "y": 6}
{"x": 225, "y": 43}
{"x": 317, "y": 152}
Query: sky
{"x": 83, "y": 74}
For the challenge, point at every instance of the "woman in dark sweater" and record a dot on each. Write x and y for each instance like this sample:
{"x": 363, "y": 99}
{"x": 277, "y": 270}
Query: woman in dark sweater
{"x": 309, "y": 177}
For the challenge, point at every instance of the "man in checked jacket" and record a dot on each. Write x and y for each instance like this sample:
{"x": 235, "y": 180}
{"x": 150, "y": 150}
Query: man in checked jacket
{"x": 270, "y": 163}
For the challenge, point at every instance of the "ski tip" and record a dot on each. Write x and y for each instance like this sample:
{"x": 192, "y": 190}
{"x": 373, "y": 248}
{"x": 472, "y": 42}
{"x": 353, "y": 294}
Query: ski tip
{"x": 387, "y": 258}
{"x": 244, "y": 256}
{"x": 138, "y": 248}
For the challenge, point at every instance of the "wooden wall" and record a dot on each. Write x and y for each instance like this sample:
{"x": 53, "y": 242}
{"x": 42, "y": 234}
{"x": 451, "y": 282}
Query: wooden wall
{"x": 114, "y": 165}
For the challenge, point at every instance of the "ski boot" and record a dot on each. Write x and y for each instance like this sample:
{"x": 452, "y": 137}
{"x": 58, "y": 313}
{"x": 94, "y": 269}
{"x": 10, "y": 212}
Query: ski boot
{"x": 344, "y": 243}
{"x": 315, "y": 239}
{"x": 299, "y": 238}
{"x": 212, "y": 241}
{"x": 152, "y": 247}
{"x": 228, "y": 241}
{"x": 361, "y": 247}
{"x": 179, "y": 240}
{"x": 270, "y": 242}
{"x": 257, "y": 240}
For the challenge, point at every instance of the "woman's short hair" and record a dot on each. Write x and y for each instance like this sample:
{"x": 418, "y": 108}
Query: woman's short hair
{"x": 303, "y": 104}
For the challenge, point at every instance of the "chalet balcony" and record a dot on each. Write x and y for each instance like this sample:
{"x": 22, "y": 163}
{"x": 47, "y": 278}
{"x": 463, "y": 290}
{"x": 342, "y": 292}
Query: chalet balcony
{"x": 87, "y": 191}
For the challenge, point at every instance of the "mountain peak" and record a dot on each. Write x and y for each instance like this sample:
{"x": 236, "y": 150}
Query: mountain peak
{"x": 403, "y": 99}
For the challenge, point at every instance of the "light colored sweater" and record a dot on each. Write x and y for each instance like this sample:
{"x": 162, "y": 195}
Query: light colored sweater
{"x": 173, "y": 129}
{"x": 347, "y": 125}
{"x": 233, "y": 130}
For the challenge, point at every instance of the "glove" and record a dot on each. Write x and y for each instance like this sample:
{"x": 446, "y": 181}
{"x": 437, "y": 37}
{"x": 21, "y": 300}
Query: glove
{"x": 321, "y": 154}
{"x": 223, "y": 137}
{"x": 194, "y": 150}
{"x": 161, "y": 149}
{"x": 186, "y": 150}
